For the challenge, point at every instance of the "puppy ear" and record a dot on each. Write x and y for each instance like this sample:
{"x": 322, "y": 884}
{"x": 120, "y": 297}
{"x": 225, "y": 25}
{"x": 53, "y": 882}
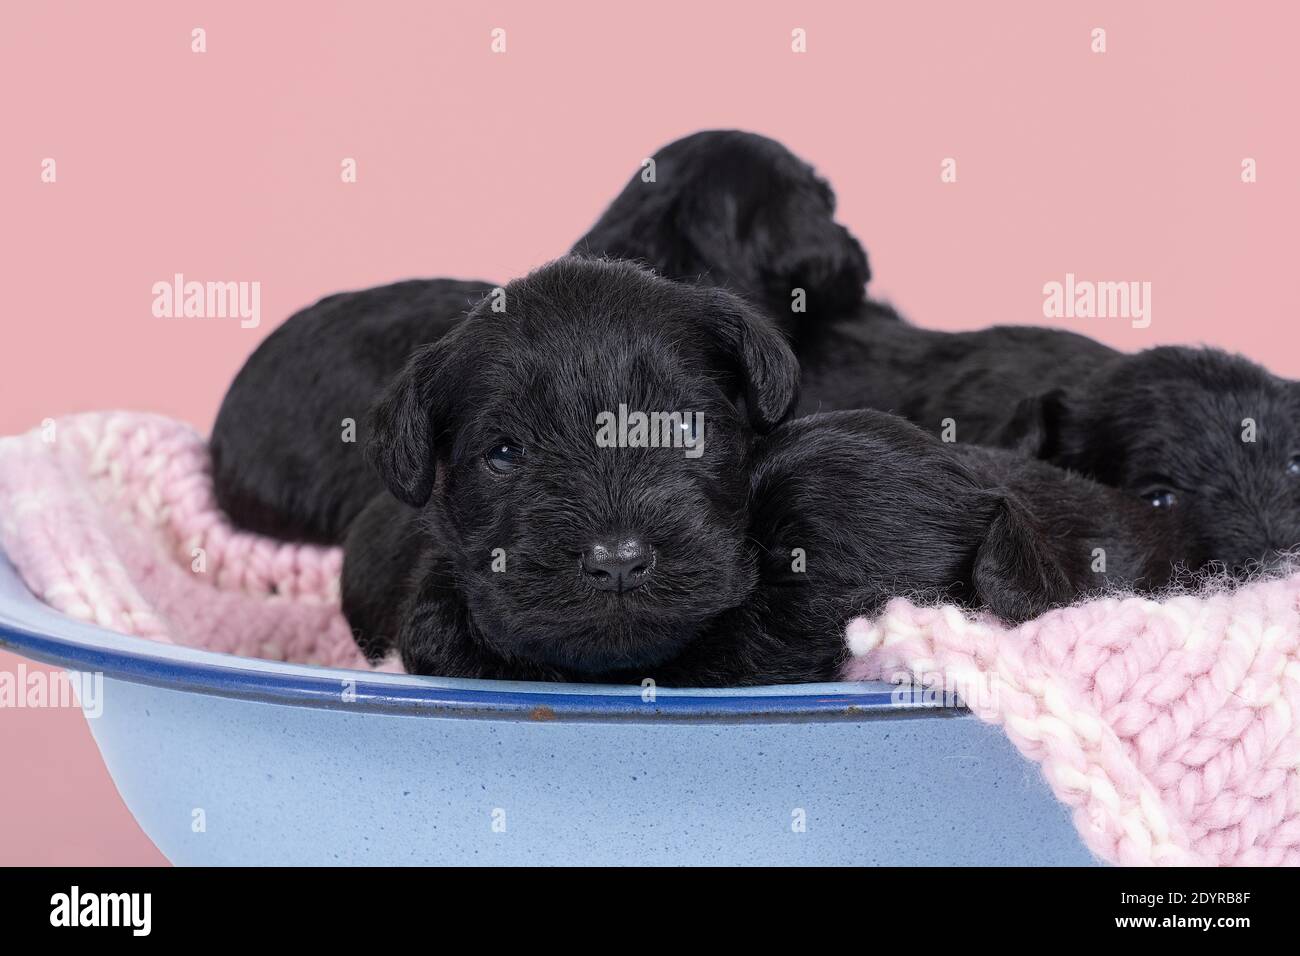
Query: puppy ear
{"x": 785, "y": 248}
{"x": 1034, "y": 428}
{"x": 403, "y": 423}
{"x": 817, "y": 255}
{"x": 1016, "y": 576}
{"x": 827, "y": 262}
{"x": 767, "y": 369}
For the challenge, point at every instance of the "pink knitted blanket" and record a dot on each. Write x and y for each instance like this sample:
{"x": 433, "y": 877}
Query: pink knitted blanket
{"x": 110, "y": 517}
{"x": 1170, "y": 726}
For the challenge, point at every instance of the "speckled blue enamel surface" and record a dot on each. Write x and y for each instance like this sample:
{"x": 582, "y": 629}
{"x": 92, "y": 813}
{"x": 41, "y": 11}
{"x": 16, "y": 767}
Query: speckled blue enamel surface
{"x": 227, "y": 761}
{"x": 282, "y": 784}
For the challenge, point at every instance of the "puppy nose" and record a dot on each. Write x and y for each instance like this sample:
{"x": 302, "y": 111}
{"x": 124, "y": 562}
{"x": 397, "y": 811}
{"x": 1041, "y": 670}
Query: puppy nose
{"x": 618, "y": 565}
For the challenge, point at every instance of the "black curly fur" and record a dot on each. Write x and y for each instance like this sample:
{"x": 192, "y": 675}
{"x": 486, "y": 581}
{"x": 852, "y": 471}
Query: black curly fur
{"x": 874, "y": 506}
{"x": 1170, "y": 417}
{"x": 726, "y": 208}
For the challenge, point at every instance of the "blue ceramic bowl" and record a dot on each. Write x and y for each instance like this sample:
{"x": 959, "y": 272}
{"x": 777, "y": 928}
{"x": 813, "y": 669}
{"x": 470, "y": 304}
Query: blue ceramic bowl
{"x": 230, "y": 760}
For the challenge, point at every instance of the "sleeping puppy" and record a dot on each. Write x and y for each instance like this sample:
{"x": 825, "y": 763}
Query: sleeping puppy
{"x": 1210, "y": 435}
{"x": 723, "y": 208}
{"x": 872, "y": 507}
{"x": 519, "y": 542}
{"x": 285, "y": 450}
{"x": 740, "y": 211}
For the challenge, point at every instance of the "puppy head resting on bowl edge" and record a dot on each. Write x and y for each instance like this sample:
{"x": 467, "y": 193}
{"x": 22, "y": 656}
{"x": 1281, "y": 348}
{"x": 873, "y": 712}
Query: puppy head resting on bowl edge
{"x": 1210, "y": 435}
{"x": 582, "y": 535}
{"x": 741, "y": 211}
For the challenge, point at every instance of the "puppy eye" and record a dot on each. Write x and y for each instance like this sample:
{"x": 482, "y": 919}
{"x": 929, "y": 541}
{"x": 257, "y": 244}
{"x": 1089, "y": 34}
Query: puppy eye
{"x": 1293, "y": 466}
{"x": 503, "y": 458}
{"x": 1161, "y": 498}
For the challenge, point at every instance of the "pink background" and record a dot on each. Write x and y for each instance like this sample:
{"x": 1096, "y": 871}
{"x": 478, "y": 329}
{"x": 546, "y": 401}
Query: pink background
{"x": 225, "y": 166}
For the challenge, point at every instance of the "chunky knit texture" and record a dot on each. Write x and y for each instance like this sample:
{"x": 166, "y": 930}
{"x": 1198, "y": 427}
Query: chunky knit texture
{"x": 1169, "y": 726}
{"x": 110, "y": 517}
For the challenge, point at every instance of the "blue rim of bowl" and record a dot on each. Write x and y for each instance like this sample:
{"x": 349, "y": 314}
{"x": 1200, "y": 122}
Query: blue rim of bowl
{"x": 88, "y": 648}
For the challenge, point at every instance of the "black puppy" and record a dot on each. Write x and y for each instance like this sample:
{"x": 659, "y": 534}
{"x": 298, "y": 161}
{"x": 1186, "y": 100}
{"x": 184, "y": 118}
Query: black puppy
{"x": 725, "y": 207}
{"x": 524, "y": 547}
{"x": 740, "y": 211}
{"x": 1210, "y": 435}
{"x": 584, "y": 557}
{"x": 286, "y": 457}
{"x": 882, "y": 509}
